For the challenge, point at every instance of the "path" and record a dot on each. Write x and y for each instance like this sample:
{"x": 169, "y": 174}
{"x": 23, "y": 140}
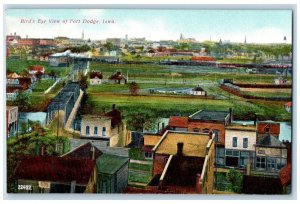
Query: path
{"x": 51, "y": 87}
{"x": 73, "y": 114}
{"x": 140, "y": 161}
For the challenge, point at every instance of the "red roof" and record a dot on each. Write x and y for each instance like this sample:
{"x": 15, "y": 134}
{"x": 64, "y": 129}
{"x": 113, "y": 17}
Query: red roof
{"x": 203, "y": 58}
{"x": 176, "y": 121}
{"x": 285, "y": 175}
{"x": 57, "y": 169}
{"x": 36, "y": 68}
{"x": 289, "y": 104}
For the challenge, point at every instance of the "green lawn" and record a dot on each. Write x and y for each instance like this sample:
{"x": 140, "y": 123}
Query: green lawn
{"x": 139, "y": 177}
{"x": 141, "y": 167}
{"x": 43, "y": 85}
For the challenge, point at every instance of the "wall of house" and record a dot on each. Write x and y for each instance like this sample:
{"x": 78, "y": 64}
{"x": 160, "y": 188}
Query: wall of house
{"x": 211, "y": 127}
{"x": 122, "y": 178}
{"x": 95, "y": 81}
{"x": 159, "y": 163}
{"x": 271, "y": 152}
{"x": 251, "y": 135}
{"x": 96, "y": 122}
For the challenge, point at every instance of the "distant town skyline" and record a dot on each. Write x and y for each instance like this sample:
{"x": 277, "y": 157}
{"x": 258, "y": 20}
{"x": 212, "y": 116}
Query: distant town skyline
{"x": 258, "y": 26}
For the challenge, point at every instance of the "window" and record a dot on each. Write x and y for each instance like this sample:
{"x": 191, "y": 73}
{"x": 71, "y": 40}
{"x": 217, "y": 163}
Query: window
{"x": 234, "y": 142}
{"x": 87, "y": 130}
{"x": 206, "y": 130}
{"x": 196, "y": 130}
{"x": 216, "y": 132}
{"x": 95, "y": 130}
{"x": 271, "y": 163}
{"x": 245, "y": 142}
{"x": 261, "y": 162}
{"x": 104, "y": 131}
{"x": 267, "y": 129}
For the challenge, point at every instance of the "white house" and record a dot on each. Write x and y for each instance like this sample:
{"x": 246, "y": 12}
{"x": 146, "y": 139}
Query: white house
{"x": 198, "y": 91}
{"x": 96, "y": 78}
{"x": 240, "y": 143}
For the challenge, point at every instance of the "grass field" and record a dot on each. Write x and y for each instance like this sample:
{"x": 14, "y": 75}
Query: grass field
{"x": 43, "y": 85}
{"x": 267, "y": 92}
{"x": 20, "y": 65}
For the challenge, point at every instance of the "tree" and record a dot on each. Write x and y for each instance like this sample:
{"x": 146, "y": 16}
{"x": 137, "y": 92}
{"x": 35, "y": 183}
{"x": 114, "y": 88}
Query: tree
{"x": 139, "y": 120}
{"x": 235, "y": 179}
{"x": 134, "y": 88}
{"x": 83, "y": 81}
{"x": 109, "y": 46}
{"x": 23, "y": 101}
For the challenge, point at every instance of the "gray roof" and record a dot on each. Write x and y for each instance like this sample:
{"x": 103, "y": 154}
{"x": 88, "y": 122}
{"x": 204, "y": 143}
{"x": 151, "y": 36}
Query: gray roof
{"x": 207, "y": 115}
{"x": 110, "y": 164}
{"x": 198, "y": 88}
{"x": 270, "y": 141}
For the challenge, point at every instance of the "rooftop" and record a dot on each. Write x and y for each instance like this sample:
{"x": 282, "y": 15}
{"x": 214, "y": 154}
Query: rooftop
{"x": 84, "y": 151}
{"x": 198, "y": 88}
{"x": 235, "y": 126}
{"x": 110, "y": 164}
{"x": 207, "y": 115}
{"x": 57, "y": 169}
{"x": 194, "y": 144}
{"x": 177, "y": 121}
{"x": 270, "y": 141}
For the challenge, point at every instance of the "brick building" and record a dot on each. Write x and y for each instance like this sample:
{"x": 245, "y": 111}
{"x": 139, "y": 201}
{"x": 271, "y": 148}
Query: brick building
{"x": 190, "y": 155}
{"x": 267, "y": 128}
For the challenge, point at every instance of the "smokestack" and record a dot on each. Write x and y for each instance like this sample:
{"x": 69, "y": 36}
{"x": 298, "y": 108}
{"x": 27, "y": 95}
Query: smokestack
{"x": 255, "y": 119}
{"x": 114, "y": 106}
{"x": 180, "y": 149}
{"x": 26, "y": 36}
{"x": 230, "y": 115}
{"x": 15, "y": 34}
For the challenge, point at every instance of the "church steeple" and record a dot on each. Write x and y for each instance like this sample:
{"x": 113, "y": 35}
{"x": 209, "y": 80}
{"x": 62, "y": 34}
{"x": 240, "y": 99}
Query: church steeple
{"x": 245, "y": 42}
{"x": 82, "y": 35}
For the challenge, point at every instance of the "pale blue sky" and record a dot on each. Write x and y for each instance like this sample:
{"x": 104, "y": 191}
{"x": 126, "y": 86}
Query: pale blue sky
{"x": 262, "y": 26}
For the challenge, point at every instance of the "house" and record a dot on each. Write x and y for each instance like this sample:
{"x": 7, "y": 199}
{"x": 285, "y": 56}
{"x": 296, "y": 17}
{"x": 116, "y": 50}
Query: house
{"x": 198, "y": 91}
{"x": 240, "y": 143}
{"x": 178, "y": 123}
{"x": 84, "y": 151}
{"x": 52, "y": 174}
{"x": 112, "y": 173}
{"x": 96, "y": 78}
{"x": 150, "y": 140}
{"x": 288, "y": 107}
{"x": 11, "y": 120}
{"x": 271, "y": 156}
{"x": 117, "y": 78}
{"x": 267, "y": 128}
{"x": 188, "y": 154}
{"x": 107, "y": 127}
{"x": 36, "y": 69}
{"x": 16, "y": 83}
{"x": 280, "y": 81}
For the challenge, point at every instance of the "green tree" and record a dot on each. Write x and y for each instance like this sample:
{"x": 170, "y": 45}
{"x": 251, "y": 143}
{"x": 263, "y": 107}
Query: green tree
{"x": 139, "y": 120}
{"x": 109, "y": 46}
{"x": 235, "y": 179}
{"x": 23, "y": 101}
{"x": 83, "y": 81}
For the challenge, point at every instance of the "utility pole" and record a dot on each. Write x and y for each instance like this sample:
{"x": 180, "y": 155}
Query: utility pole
{"x": 57, "y": 119}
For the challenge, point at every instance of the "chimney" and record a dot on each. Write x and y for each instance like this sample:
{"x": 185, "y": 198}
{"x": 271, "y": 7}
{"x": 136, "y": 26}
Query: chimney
{"x": 210, "y": 134}
{"x": 162, "y": 125}
{"x": 93, "y": 152}
{"x": 26, "y": 36}
{"x": 255, "y": 119}
{"x": 179, "y": 149}
{"x": 198, "y": 183}
{"x": 15, "y": 34}
{"x": 114, "y": 106}
{"x": 157, "y": 127}
{"x": 230, "y": 115}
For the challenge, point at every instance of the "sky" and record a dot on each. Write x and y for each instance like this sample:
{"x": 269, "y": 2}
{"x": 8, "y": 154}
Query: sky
{"x": 258, "y": 26}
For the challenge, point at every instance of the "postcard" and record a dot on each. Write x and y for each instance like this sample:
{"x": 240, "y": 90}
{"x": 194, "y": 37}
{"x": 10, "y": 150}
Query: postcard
{"x": 149, "y": 101}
